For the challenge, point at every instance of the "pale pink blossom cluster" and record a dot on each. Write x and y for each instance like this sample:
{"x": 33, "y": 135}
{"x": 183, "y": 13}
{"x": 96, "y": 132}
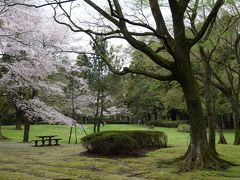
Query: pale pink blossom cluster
{"x": 35, "y": 109}
{"x": 113, "y": 110}
{"x": 30, "y": 45}
{"x": 33, "y": 46}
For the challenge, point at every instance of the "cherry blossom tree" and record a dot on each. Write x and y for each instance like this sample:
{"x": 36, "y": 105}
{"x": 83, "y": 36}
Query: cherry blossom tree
{"x": 78, "y": 95}
{"x": 30, "y": 52}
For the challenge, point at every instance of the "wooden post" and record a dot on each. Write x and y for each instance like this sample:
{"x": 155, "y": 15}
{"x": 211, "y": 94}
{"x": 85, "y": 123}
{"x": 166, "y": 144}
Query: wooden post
{"x": 83, "y": 129}
{"x": 70, "y": 135}
{"x": 75, "y": 134}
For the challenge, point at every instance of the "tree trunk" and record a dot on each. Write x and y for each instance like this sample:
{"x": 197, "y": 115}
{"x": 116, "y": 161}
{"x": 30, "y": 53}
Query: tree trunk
{"x": 72, "y": 100}
{"x": 100, "y": 121}
{"x": 70, "y": 135}
{"x": 98, "y": 127}
{"x": 222, "y": 139}
{"x": 156, "y": 115}
{"x": 221, "y": 122}
{"x": 19, "y": 120}
{"x": 199, "y": 154}
{"x": 97, "y": 112}
{"x": 75, "y": 130}
{"x": 1, "y": 135}
{"x": 210, "y": 107}
{"x": 236, "y": 123}
{"x": 149, "y": 117}
{"x": 4, "y": 109}
{"x": 26, "y": 130}
{"x": 209, "y": 99}
{"x": 95, "y": 127}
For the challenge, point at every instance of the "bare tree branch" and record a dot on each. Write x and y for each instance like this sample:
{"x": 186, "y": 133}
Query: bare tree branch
{"x": 157, "y": 14}
{"x": 211, "y": 17}
{"x": 37, "y": 6}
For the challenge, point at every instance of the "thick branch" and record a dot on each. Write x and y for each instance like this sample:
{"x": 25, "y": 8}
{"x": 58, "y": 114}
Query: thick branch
{"x": 127, "y": 70}
{"x": 128, "y": 35}
{"x": 211, "y": 17}
{"x": 169, "y": 77}
{"x": 193, "y": 17}
{"x": 183, "y": 4}
{"x": 160, "y": 23}
{"x": 102, "y": 12}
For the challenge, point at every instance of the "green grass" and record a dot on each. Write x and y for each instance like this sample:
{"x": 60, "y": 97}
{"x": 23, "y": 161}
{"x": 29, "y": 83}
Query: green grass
{"x": 63, "y": 131}
{"x": 22, "y": 161}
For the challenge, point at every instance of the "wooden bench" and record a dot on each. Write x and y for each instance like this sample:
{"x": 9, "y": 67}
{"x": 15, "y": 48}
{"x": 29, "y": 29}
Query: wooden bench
{"x": 53, "y": 139}
{"x": 56, "y": 140}
{"x": 37, "y": 140}
{"x": 48, "y": 138}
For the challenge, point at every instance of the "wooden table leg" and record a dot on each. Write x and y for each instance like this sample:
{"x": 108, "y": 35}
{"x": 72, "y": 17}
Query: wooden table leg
{"x": 56, "y": 142}
{"x": 50, "y": 141}
{"x": 43, "y": 142}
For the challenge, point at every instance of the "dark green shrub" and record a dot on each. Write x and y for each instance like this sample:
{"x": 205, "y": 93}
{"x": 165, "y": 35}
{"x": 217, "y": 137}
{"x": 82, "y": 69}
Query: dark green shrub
{"x": 167, "y": 123}
{"x": 123, "y": 142}
{"x": 117, "y": 122}
{"x": 183, "y": 128}
{"x": 148, "y": 138}
{"x": 110, "y": 143}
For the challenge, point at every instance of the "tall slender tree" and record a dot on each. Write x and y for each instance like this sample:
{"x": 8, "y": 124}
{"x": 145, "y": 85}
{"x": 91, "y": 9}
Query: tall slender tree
{"x": 95, "y": 73}
{"x": 220, "y": 59}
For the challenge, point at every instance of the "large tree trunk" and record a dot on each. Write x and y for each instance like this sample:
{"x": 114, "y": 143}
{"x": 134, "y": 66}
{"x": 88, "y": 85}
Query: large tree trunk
{"x": 236, "y": 123}
{"x": 26, "y": 130}
{"x": 199, "y": 154}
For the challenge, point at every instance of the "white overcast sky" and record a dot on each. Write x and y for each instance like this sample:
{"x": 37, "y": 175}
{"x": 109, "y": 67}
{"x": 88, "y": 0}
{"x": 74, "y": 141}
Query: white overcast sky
{"x": 85, "y": 13}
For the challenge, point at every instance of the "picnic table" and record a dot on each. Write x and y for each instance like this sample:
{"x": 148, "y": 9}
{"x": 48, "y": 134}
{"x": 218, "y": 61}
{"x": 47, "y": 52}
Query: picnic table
{"x": 46, "y": 138}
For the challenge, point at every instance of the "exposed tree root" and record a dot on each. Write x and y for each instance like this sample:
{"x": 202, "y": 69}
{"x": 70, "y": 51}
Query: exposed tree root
{"x": 198, "y": 160}
{"x": 3, "y": 137}
{"x": 222, "y": 139}
{"x": 237, "y": 142}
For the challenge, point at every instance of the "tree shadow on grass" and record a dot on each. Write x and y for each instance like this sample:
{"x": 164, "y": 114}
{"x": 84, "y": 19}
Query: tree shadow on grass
{"x": 135, "y": 154}
{"x": 3, "y": 138}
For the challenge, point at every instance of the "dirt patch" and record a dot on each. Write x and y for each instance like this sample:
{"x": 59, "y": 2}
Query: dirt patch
{"x": 3, "y": 138}
{"x": 140, "y": 153}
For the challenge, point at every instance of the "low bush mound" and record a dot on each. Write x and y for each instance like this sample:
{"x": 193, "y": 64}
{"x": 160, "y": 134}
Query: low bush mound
{"x": 123, "y": 142}
{"x": 110, "y": 143}
{"x": 147, "y": 139}
{"x": 183, "y": 128}
{"x": 167, "y": 123}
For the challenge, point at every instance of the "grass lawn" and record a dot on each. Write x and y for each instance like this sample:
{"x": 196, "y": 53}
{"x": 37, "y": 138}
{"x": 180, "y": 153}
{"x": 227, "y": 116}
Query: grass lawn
{"x": 22, "y": 161}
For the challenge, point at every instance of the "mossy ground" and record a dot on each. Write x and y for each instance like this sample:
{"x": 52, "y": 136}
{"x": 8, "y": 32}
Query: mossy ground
{"x": 22, "y": 161}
